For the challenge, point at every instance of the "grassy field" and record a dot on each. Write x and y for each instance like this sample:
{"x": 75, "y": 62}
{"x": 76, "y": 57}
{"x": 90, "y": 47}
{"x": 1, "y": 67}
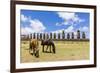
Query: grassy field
{"x": 65, "y": 50}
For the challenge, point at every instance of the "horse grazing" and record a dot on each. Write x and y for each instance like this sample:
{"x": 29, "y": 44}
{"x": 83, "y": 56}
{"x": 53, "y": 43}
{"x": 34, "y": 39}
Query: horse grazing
{"x": 48, "y": 43}
{"x": 33, "y": 46}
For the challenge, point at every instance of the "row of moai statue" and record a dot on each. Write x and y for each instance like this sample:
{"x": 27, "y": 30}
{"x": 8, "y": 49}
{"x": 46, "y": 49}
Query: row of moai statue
{"x": 63, "y": 35}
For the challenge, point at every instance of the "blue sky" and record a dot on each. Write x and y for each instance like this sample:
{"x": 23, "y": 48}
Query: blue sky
{"x": 53, "y": 21}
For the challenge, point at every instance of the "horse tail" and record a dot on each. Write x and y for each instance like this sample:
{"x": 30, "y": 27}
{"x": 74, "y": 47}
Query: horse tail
{"x": 54, "y": 48}
{"x": 30, "y": 45}
{"x": 37, "y": 49}
{"x": 37, "y": 43}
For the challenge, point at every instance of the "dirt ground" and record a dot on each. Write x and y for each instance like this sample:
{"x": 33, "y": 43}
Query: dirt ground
{"x": 65, "y": 50}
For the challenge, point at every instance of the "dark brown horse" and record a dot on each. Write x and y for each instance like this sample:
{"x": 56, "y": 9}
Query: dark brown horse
{"x": 49, "y": 43}
{"x": 33, "y": 46}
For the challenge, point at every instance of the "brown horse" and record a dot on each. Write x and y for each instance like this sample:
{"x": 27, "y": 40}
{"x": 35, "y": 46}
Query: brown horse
{"x": 33, "y": 46}
{"x": 49, "y": 43}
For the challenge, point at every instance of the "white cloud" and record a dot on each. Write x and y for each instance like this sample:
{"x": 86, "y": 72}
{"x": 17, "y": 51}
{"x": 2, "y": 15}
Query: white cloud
{"x": 34, "y": 25}
{"x": 58, "y": 31}
{"x": 69, "y": 29}
{"x": 58, "y": 24}
{"x": 26, "y": 30}
{"x": 70, "y": 18}
{"x": 37, "y": 25}
{"x": 23, "y": 18}
{"x": 84, "y": 28}
{"x": 66, "y": 15}
{"x": 77, "y": 19}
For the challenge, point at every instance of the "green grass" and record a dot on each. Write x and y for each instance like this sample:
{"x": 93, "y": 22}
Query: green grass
{"x": 65, "y": 50}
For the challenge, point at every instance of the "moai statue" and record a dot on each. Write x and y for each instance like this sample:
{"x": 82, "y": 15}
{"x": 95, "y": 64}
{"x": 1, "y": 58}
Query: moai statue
{"x": 54, "y": 35}
{"x": 51, "y": 35}
{"x": 34, "y": 36}
{"x": 47, "y": 36}
{"x": 37, "y": 35}
{"x": 58, "y": 35}
{"x": 83, "y": 35}
{"x": 68, "y": 36}
{"x": 72, "y": 35}
{"x": 78, "y": 34}
{"x": 43, "y": 35}
{"x": 40, "y": 35}
{"x": 63, "y": 34}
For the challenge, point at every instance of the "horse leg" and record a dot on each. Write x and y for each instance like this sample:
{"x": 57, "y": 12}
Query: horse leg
{"x": 53, "y": 46}
{"x": 50, "y": 48}
{"x": 33, "y": 50}
{"x": 30, "y": 49}
{"x": 37, "y": 53}
{"x": 43, "y": 48}
{"x": 54, "y": 51}
{"x": 47, "y": 48}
